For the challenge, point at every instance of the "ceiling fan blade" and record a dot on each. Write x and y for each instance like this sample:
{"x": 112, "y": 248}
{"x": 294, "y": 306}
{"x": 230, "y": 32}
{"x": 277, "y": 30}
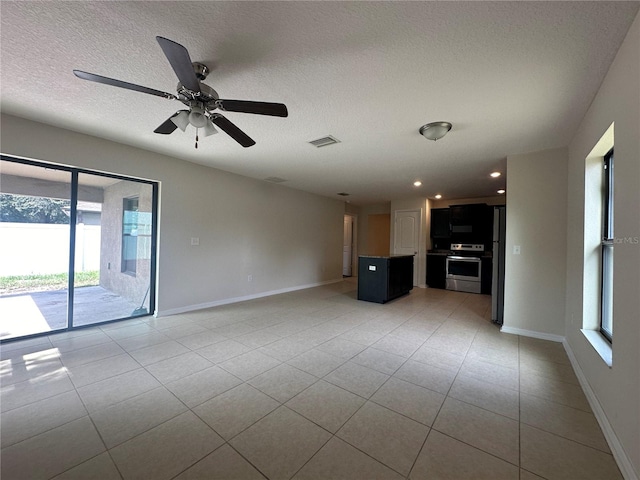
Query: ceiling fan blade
{"x": 233, "y": 131}
{"x": 119, "y": 83}
{"x": 168, "y": 126}
{"x": 261, "y": 108}
{"x": 180, "y": 61}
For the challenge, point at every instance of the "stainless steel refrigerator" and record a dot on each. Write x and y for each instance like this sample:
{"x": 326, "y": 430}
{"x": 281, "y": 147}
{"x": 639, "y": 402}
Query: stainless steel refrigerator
{"x": 497, "y": 280}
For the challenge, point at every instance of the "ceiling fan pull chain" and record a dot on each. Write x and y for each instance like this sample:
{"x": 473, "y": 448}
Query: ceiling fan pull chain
{"x": 196, "y": 138}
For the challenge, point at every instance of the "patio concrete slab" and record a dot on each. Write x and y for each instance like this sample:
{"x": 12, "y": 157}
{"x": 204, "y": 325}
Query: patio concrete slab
{"x": 28, "y": 313}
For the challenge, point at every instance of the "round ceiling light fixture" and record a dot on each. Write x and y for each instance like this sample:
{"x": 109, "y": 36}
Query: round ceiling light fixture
{"x": 438, "y": 197}
{"x": 501, "y": 191}
{"x": 435, "y": 130}
{"x": 417, "y": 183}
{"x": 495, "y": 174}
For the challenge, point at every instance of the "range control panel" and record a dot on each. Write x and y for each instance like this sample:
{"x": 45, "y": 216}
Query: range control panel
{"x": 467, "y": 247}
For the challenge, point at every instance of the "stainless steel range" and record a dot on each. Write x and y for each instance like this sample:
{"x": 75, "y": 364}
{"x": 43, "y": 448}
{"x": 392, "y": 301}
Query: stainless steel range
{"x": 464, "y": 267}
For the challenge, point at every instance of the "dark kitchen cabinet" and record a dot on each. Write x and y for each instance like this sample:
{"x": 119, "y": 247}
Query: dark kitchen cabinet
{"x": 485, "y": 226}
{"x": 440, "y": 227}
{"x": 471, "y": 223}
{"x": 460, "y": 215}
{"x": 436, "y": 271}
{"x": 487, "y": 275}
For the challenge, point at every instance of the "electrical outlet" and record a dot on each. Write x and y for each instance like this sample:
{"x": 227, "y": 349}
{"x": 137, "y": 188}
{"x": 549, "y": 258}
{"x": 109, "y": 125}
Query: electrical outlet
{"x": 516, "y": 249}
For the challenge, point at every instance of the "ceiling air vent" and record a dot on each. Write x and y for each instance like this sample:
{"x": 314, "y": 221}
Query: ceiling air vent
{"x": 324, "y": 141}
{"x": 344, "y": 194}
{"x": 275, "y": 179}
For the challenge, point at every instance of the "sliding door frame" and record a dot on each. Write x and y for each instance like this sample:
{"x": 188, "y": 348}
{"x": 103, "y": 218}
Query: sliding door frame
{"x": 75, "y": 172}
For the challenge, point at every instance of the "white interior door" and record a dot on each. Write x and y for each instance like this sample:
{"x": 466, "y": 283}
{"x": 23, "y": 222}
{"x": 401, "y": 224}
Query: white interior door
{"x": 407, "y": 236}
{"x": 347, "y": 246}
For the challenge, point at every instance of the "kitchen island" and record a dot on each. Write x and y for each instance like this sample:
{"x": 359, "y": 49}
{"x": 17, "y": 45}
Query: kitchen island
{"x": 383, "y": 278}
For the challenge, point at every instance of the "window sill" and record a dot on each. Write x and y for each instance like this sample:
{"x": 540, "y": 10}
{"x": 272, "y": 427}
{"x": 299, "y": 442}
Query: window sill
{"x": 600, "y": 344}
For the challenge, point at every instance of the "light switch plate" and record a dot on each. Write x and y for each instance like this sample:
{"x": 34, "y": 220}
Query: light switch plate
{"x": 516, "y": 249}
{"x": 195, "y": 241}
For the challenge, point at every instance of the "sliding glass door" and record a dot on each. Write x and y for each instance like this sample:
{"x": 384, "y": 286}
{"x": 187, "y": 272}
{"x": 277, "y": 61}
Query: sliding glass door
{"x": 117, "y": 244}
{"x": 35, "y": 206}
{"x": 76, "y": 248}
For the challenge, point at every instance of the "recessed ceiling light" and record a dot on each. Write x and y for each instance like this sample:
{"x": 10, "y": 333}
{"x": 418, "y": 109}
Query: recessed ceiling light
{"x": 438, "y": 197}
{"x": 495, "y": 174}
{"x": 501, "y": 191}
{"x": 417, "y": 183}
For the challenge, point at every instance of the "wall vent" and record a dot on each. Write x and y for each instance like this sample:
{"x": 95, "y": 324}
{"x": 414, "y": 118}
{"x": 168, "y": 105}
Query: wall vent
{"x": 324, "y": 141}
{"x": 344, "y": 194}
{"x": 275, "y": 179}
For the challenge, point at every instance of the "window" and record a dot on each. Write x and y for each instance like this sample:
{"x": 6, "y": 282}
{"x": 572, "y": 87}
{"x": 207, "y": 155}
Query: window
{"x": 606, "y": 279}
{"x": 129, "y": 235}
{"x": 598, "y": 222}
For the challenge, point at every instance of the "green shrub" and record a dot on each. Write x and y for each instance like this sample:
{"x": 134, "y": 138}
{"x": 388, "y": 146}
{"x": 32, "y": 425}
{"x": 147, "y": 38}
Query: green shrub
{"x": 53, "y": 281}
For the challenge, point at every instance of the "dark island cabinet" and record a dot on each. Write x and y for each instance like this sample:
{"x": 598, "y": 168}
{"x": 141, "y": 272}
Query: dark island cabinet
{"x": 381, "y": 279}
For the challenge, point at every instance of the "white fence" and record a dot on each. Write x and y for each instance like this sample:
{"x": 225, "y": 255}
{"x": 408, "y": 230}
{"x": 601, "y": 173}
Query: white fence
{"x": 37, "y": 248}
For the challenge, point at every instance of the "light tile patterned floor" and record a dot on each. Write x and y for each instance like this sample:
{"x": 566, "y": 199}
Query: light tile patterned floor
{"x": 307, "y": 385}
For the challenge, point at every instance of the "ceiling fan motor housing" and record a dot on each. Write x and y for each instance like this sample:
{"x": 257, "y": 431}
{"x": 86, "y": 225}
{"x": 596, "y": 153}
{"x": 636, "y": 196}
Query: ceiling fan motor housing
{"x": 206, "y": 96}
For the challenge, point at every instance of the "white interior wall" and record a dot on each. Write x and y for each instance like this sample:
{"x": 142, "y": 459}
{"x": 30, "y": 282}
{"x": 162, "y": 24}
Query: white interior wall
{"x": 536, "y": 221}
{"x": 494, "y": 200}
{"x": 284, "y": 238}
{"x": 615, "y": 389}
{"x": 350, "y": 209}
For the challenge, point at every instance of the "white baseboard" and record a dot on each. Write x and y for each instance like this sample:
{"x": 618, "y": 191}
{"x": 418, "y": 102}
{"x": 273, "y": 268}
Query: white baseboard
{"x": 227, "y": 301}
{"x": 625, "y": 465}
{"x": 532, "y": 333}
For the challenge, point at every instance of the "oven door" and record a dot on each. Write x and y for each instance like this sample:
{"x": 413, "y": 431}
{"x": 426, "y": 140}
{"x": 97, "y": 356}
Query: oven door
{"x": 464, "y": 274}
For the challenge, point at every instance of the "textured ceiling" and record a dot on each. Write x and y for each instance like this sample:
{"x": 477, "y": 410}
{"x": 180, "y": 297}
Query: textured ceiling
{"x": 512, "y": 77}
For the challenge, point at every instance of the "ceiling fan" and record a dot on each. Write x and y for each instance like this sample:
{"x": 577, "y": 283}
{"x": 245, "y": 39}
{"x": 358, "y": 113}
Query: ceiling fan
{"x": 201, "y": 100}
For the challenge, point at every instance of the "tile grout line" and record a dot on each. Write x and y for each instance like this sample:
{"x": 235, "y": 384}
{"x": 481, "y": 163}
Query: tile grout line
{"x": 407, "y": 317}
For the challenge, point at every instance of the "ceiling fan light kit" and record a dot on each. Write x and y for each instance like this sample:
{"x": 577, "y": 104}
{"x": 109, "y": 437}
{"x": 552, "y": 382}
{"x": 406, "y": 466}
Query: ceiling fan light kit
{"x": 208, "y": 129}
{"x": 201, "y": 99}
{"x": 181, "y": 120}
{"x": 197, "y": 118}
{"x": 435, "y": 130}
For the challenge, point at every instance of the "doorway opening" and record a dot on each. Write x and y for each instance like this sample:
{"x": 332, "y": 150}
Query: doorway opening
{"x": 407, "y": 233}
{"x": 349, "y": 242}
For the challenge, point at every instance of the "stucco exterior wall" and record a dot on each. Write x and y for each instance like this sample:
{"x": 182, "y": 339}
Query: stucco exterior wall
{"x": 128, "y": 285}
